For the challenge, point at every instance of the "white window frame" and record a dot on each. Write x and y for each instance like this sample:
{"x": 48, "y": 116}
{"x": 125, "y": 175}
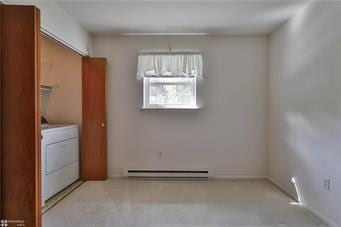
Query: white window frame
{"x": 146, "y": 90}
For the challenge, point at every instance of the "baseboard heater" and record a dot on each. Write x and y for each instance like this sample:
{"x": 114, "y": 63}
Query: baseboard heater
{"x": 154, "y": 173}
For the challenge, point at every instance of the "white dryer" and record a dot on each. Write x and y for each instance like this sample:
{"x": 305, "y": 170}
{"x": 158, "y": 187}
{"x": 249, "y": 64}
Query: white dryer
{"x": 59, "y": 158}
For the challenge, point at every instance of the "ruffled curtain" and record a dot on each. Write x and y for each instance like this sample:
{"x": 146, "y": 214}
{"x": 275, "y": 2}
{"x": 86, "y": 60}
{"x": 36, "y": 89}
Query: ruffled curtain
{"x": 169, "y": 65}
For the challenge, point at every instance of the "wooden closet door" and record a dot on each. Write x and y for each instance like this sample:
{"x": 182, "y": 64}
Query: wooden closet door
{"x": 20, "y": 114}
{"x": 94, "y": 132}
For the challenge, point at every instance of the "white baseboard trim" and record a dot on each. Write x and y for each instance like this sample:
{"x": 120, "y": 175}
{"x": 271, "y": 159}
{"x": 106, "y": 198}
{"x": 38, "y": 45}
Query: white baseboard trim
{"x": 239, "y": 177}
{"x": 281, "y": 187}
{"x": 115, "y": 176}
{"x": 227, "y": 177}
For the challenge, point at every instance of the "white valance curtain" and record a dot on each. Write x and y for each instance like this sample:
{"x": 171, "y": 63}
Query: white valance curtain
{"x": 169, "y": 64}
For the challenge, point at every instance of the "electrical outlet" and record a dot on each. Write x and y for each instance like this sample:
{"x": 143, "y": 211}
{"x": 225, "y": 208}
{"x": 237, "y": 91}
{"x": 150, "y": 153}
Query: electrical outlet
{"x": 326, "y": 184}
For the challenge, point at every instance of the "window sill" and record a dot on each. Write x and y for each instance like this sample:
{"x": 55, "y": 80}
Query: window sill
{"x": 170, "y": 108}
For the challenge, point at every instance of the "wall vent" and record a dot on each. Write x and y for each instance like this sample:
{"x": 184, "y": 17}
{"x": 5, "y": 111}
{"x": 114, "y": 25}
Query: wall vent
{"x": 166, "y": 173}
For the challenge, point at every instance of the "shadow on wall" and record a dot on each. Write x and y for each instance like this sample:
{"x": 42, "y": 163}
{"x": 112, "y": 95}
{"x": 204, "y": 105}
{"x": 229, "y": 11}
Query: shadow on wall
{"x": 45, "y": 95}
{"x": 313, "y": 141}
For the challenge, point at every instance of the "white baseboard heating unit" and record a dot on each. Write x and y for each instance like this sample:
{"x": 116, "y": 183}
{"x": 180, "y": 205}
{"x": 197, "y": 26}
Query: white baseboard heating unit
{"x": 166, "y": 173}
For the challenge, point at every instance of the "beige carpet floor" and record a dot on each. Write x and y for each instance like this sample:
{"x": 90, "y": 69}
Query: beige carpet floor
{"x": 124, "y": 202}
{"x": 60, "y": 196}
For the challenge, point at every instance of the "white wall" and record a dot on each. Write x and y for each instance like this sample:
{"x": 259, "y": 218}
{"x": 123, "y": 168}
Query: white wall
{"x": 305, "y": 107}
{"x": 227, "y": 135}
{"x": 60, "y": 25}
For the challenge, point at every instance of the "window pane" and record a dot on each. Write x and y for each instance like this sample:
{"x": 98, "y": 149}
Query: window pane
{"x": 170, "y": 92}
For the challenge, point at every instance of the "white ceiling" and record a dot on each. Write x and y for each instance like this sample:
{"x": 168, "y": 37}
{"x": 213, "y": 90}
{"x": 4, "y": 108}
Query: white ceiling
{"x": 182, "y": 16}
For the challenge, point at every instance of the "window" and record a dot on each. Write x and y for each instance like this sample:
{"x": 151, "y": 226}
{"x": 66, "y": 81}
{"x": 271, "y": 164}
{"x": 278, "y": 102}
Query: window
{"x": 169, "y": 79}
{"x": 169, "y": 92}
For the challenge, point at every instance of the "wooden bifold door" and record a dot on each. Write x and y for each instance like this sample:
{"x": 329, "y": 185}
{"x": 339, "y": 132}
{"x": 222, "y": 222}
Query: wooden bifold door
{"x": 94, "y": 132}
{"x": 20, "y": 115}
